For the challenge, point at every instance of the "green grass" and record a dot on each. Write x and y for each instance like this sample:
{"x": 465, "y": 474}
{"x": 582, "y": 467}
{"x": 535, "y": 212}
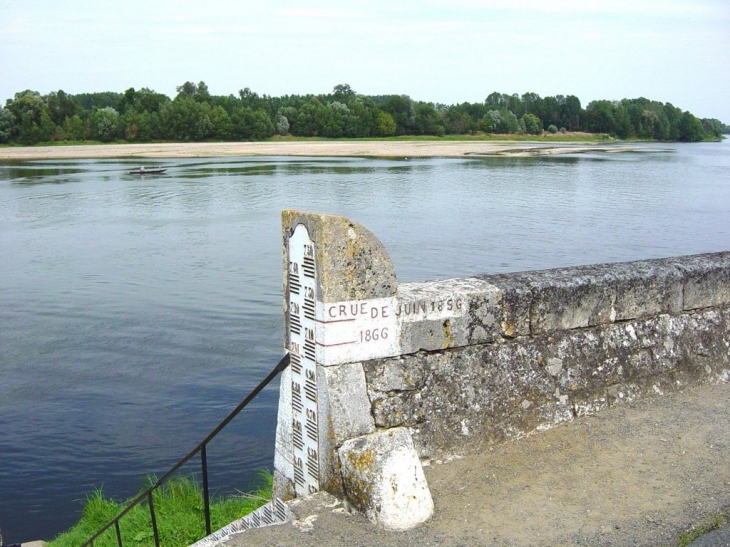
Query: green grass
{"x": 178, "y": 512}
{"x": 714, "y": 523}
{"x": 545, "y": 137}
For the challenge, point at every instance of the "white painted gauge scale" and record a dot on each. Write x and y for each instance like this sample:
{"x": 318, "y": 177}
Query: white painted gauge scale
{"x": 302, "y": 347}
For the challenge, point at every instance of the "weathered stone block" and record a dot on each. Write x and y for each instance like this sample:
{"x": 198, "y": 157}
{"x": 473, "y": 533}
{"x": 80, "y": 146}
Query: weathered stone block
{"x": 516, "y": 294}
{"x": 345, "y": 402}
{"x": 449, "y": 313}
{"x": 397, "y": 374}
{"x": 352, "y": 263}
{"x": 645, "y": 288}
{"x": 383, "y": 479}
{"x": 572, "y": 299}
{"x": 707, "y": 280}
{"x": 344, "y": 413}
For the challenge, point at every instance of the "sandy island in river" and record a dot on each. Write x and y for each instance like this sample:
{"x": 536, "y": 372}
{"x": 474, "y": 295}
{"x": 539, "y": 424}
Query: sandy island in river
{"x": 382, "y": 149}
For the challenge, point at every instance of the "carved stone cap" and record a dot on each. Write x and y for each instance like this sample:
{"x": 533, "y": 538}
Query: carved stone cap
{"x": 352, "y": 264}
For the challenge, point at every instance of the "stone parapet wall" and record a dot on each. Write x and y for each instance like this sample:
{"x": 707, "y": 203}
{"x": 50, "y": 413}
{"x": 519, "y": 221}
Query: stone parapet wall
{"x": 448, "y": 367}
{"x": 558, "y": 344}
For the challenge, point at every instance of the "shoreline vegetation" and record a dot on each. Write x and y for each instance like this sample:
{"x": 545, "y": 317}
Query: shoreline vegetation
{"x": 194, "y": 115}
{"x": 179, "y": 509}
{"x": 414, "y": 147}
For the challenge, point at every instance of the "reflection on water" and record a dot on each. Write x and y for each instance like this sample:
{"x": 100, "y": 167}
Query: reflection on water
{"x": 137, "y": 311}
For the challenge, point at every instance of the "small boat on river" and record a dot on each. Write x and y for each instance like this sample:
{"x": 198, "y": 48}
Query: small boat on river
{"x": 145, "y": 171}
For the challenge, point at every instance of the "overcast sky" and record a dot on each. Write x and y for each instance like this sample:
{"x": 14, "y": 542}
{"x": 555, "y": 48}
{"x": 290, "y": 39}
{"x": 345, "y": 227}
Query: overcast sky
{"x": 447, "y": 51}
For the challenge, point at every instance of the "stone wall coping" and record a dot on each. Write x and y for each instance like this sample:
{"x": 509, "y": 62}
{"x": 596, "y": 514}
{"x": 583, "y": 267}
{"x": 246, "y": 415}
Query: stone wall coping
{"x": 536, "y": 302}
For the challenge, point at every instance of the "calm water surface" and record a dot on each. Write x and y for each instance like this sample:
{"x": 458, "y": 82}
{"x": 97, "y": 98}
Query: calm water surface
{"x": 135, "y": 313}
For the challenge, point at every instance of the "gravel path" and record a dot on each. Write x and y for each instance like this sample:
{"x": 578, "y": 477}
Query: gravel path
{"x": 633, "y": 475}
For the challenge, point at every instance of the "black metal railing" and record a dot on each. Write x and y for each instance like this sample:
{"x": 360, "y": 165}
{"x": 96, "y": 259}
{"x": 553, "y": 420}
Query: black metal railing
{"x": 201, "y": 448}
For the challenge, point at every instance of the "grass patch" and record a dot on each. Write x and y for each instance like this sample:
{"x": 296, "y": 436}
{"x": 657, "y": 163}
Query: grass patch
{"x": 178, "y": 511}
{"x": 544, "y": 137}
{"x": 713, "y": 523}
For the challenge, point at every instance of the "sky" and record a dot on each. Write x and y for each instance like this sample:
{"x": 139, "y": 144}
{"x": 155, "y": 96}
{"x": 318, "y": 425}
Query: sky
{"x": 445, "y": 52}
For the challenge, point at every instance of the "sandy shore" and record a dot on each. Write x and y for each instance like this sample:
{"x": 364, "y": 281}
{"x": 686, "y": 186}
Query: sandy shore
{"x": 383, "y": 149}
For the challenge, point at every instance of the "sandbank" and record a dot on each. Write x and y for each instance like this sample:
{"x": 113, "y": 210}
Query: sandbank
{"x": 382, "y": 149}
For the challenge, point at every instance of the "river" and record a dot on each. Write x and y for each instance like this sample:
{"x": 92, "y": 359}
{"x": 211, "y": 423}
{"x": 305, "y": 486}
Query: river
{"x": 135, "y": 313}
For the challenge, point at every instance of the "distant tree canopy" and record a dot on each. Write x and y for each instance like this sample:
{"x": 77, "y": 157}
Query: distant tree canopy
{"x": 195, "y": 115}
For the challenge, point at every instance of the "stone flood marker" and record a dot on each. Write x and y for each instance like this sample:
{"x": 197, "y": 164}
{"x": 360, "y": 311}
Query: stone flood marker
{"x": 341, "y": 308}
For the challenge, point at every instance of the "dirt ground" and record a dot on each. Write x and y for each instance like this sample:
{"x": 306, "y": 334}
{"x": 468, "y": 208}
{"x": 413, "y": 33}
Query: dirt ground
{"x": 634, "y": 475}
{"x": 382, "y": 149}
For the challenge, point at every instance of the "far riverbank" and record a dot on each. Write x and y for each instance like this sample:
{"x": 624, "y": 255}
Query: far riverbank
{"x": 381, "y": 149}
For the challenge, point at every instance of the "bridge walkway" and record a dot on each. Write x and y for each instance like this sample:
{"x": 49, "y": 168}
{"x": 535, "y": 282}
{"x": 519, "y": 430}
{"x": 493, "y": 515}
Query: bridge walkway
{"x": 637, "y": 474}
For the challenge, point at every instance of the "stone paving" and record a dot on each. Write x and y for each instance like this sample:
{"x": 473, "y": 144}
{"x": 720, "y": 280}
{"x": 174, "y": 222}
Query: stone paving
{"x": 637, "y": 475}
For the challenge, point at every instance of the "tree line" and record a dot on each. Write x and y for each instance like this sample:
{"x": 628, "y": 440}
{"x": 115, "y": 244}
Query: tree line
{"x": 195, "y": 115}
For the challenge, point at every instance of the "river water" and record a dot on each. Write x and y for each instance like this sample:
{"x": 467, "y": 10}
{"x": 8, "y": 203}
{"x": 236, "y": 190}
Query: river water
{"x": 135, "y": 313}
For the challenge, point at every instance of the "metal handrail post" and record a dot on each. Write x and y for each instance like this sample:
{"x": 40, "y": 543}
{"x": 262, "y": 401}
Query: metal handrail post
{"x": 154, "y": 520}
{"x": 206, "y": 493}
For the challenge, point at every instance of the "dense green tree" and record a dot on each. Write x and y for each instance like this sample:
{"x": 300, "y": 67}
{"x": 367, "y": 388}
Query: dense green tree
{"x": 690, "y": 128}
{"x": 89, "y": 101}
{"x": 186, "y": 119}
{"x": 550, "y": 112}
{"x": 713, "y": 128}
{"x": 189, "y": 89}
{"x": 385, "y": 125}
{"x": 148, "y": 100}
{"x": 363, "y": 121}
{"x": 532, "y": 124}
{"x": 251, "y": 125}
{"x": 623, "y": 128}
{"x": 427, "y": 120}
{"x": 196, "y": 115}
{"x": 331, "y": 119}
{"x": 202, "y": 95}
{"x": 599, "y": 117}
{"x": 27, "y": 103}
{"x": 105, "y": 124}
{"x": 500, "y": 121}
{"x": 570, "y": 110}
{"x": 222, "y": 126}
{"x": 151, "y": 126}
{"x": 250, "y": 99}
{"x": 514, "y": 105}
{"x": 403, "y": 111}
{"x": 673, "y": 115}
{"x": 343, "y": 93}
{"x": 289, "y": 113}
{"x": 128, "y": 101}
{"x": 33, "y": 122}
{"x": 60, "y": 106}
{"x": 144, "y": 100}
{"x": 457, "y": 122}
{"x": 76, "y": 129}
{"x": 282, "y": 125}
{"x": 532, "y": 103}
{"x": 7, "y": 125}
{"x": 491, "y": 121}
{"x": 131, "y": 121}
{"x": 496, "y": 101}
{"x": 306, "y": 123}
